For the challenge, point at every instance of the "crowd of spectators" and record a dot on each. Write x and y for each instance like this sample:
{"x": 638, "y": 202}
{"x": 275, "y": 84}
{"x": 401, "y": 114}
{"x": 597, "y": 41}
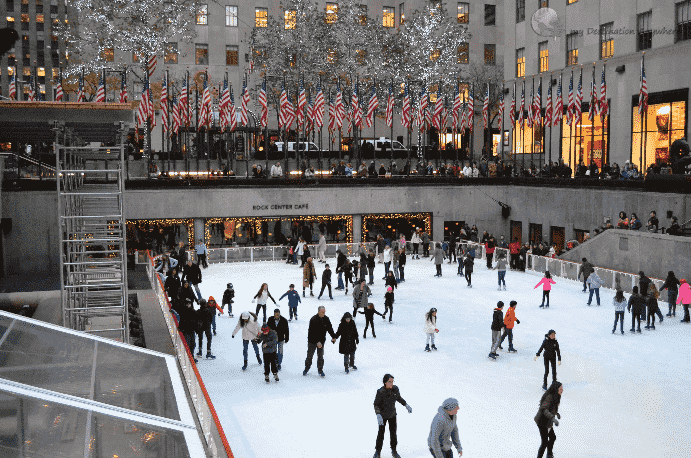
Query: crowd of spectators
{"x": 633, "y": 223}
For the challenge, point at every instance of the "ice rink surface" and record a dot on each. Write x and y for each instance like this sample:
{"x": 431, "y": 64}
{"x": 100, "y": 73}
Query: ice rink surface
{"x": 624, "y": 396}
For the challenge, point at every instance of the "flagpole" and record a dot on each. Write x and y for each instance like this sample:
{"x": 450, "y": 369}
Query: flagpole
{"x": 439, "y": 131}
{"x": 592, "y": 127}
{"x": 551, "y": 121}
{"x": 514, "y": 128}
{"x": 330, "y": 111}
{"x": 321, "y": 124}
{"x": 391, "y": 135}
{"x": 471, "y": 122}
{"x": 541, "y": 127}
{"x": 408, "y": 133}
{"x": 568, "y": 110}
{"x": 374, "y": 117}
{"x": 643, "y": 115}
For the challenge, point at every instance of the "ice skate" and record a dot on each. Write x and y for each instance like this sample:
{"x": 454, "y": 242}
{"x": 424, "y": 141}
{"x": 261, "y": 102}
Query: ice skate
{"x": 427, "y": 348}
{"x": 434, "y": 347}
{"x": 276, "y": 376}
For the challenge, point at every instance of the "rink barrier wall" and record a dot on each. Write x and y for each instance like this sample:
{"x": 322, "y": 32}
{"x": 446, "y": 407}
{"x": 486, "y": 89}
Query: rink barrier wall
{"x": 276, "y": 253}
{"x": 206, "y": 413}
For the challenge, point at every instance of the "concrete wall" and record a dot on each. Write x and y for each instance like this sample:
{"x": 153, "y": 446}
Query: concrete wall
{"x": 633, "y": 251}
{"x": 31, "y": 245}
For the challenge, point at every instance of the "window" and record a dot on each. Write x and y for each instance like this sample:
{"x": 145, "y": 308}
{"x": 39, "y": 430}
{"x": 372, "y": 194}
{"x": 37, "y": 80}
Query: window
{"x": 520, "y": 11}
{"x": 289, "y": 19}
{"x": 389, "y": 17}
{"x": 683, "y": 21}
{"x": 666, "y": 120}
{"x": 201, "y": 54}
{"x": 11, "y": 59}
{"x": 520, "y": 62}
{"x": 606, "y": 40}
{"x": 171, "y": 53}
{"x": 291, "y": 59}
{"x": 490, "y": 54}
{"x": 135, "y": 57}
{"x": 490, "y": 14}
{"x": 463, "y": 53}
{"x": 361, "y": 56}
{"x": 9, "y": 5}
{"x": 231, "y": 16}
{"x": 332, "y": 56}
{"x": 568, "y": 2}
{"x": 401, "y": 12}
{"x": 25, "y": 6}
{"x": 331, "y": 13}
{"x": 232, "y": 55}
{"x": 543, "y": 56}
{"x": 645, "y": 34}
{"x": 535, "y": 233}
{"x": 463, "y": 12}
{"x": 587, "y": 140}
{"x": 362, "y": 14}
{"x": 10, "y": 22}
{"x": 261, "y": 17}
{"x": 108, "y": 54}
{"x": 202, "y": 14}
{"x": 543, "y": 3}
{"x": 572, "y": 49}
{"x": 25, "y": 22}
{"x": 435, "y": 54}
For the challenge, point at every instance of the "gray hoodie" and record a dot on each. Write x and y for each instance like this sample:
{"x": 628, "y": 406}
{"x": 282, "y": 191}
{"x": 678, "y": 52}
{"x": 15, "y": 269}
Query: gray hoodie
{"x": 443, "y": 433}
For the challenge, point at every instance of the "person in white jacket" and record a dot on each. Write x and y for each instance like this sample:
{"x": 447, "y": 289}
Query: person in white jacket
{"x": 321, "y": 248}
{"x": 431, "y": 328}
{"x": 300, "y": 250}
{"x": 476, "y": 171}
{"x": 416, "y": 241}
{"x": 387, "y": 260}
{"x": 276, "y": 170}
{"x": 467, "y": 171}
{"x": 250, "y": 330}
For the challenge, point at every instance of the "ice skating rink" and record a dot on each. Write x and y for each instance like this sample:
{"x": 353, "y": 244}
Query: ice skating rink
{"x": 624, "y": 396}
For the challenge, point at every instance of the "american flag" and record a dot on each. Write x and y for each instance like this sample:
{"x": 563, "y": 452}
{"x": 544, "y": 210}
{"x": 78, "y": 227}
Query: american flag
{"x": 143, "y": 110}
{"x": 184, "y": 112}
{"x": 356, "y": 110}
{"x": 464, "y": 121}
{"x": 283, "y": 109}
{"x": 13, "y": 87}
{"x": 421, "y": 109}
{"x": 372, "y": 107}
{"x": 444, "y": 115}
{"x": 570, "y": 108}
{"x": 512, "y": 110}
{"x": 471, "y": 110}
{"x": 537, "y": 109}
{"x": 604, "y": 105}
{"x": 309, "y": 113}
{"x": 558, "y": 114}
{"x": 548, "y": 106}
{"x": 642, "y": 95}
{"x": 406, "y": 113}
{"x": 318, "y": 110}
{"x": 231, "y": 113}
{"x": 456, "y": 108}
{"x": 101, "y": 91}
{"x": 332, "y": 115}
{"x": 500, "y": 122}
{"x": 80, "y": 93}
{"x": 264, "y": 117}
{"x": 485, "y": 109}
{"x": 205, "y": 111}
{"x": 290, "y": 112}
{"x": 389, "y": 107}
{"x": 302, "y": 101}
{"x": 123, "y": 88}
{"x": 151, "y": 65}
{"x": 592, "y": 109}
{"x": 522, "y": 107}
{"x": 176, "y": 116}
{"x": 32, "y": 93}
{"x": 59, "y": 94}
{"x": 438, "y": 108}
{"x": 163, "y": 105}
{"x": 577, "y": 109}
{"x": 151, "y": 112}
{"x": 340, "y": 108}
{"x": 244, "y": 104}
{"x": 531, "y": 107}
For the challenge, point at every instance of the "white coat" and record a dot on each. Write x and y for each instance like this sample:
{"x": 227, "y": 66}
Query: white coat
{"x": 249, "y": 331}
{"x": 430, "y": 326}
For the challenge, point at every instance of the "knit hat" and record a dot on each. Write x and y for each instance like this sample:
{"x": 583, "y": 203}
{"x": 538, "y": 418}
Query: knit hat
{"x": 245, "y": 315}
{"x": 683, "y": 280}
{"x": 449, "y": 404}
{"x": 551, "y": 331}
{"x": 211, "y": 298}
{"x": 513, "y": 303}
{"x": 229, "y": 286}
{"x": 266, "y": 329}
{"x": 389, "y": 289}
{"x": 500, "y": 304}
{"x": 277, "y": 310}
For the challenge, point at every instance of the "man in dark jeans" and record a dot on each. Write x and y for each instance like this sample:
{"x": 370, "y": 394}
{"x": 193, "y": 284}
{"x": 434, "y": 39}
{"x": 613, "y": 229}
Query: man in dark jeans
{"x": 187, "y": 324}
{"x": 425, "y": 244}
{"x": 316, "y": 335}
{"x": 385, "y": 408}
{"x": 205, "y": 317}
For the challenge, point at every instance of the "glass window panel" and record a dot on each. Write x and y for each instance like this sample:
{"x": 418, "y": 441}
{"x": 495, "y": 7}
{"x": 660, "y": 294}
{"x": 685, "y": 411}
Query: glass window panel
{"x": 401, "y": 12}
{"x": 463, "y": 53}
{"x": 171, "y": 53}
{"x": 463, "y": 13}
{"x": 490, "y": 14}
{"x": 202, "y": 14}
{"x": 261, "y": 17}
{"x": 232, "y": 55}
{"x": 202, "y": 54}
{"x": 289, "y": 19}
{"x": 389, "y": 16}
{"x": 231, "y": 16}
{"x": 331, "y": 13}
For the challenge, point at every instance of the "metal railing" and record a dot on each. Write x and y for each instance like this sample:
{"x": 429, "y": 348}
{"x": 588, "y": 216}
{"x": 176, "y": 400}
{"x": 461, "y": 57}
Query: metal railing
{"x": 276, "y": 253}
{"x": 206, "y": 414}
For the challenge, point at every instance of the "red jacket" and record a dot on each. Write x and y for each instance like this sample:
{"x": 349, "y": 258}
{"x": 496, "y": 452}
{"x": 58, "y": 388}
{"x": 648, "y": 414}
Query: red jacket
{"x": 488, "y": 249}
{"x": 510, "y": 317}
{"x": 515, "y": 247}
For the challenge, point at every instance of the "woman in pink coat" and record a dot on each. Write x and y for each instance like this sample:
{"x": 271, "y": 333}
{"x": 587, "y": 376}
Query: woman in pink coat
{"x": 684, "y": 299}
{"x": 546, "y": 283}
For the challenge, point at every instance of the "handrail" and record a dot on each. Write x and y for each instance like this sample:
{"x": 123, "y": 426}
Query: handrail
{"x": 200, "y": 397}
{"x": 29, "y": 159}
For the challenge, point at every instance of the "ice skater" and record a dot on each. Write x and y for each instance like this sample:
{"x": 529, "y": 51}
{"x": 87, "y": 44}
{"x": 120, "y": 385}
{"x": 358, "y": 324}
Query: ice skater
{"x": 509, "y": 320}
{"x": 369, "y": 313}
{"x": 546, "y": 283}
{"x": 385, "y": 409}
{"x": 348, "y": 273}
{"x": 653, "y": 307}
{"x": 684, "y": 299}
{"x": 228, "y": 296}
{"x": 361, "y": 292}
{"x": 497, "y": 326}
{"x": 269, "y": 341}
{"x": 501, "y": 270}
{"x": 279, "y": 324}
{"x": 438, "y": 258}
{"x": 388, "y": 303}
{"x": 468, "y": 267}
{"x": 214, "y": 306}
{"x": 309, "y": 274}
{"x": 431, "y": 328}
{"x": 594, "y": 282}
{"x": 401, "y": 264}
{"x": 444, "y": 431}
{"x": 347, "y": 331}
{"x": 548, "y": 415}
{"x": 391, "y": 280}
{"x": 619, "y": 303}
{"x": 293, "y": 300}
{"x": 250, "y": 330}
{"x": 319, "y": 325}
{"x": 551, "y": 348}
{"x": 671, "y": 284}
{"x": 636, "y": 306}
{"x": 326, "y": 282}
{"x": 206, "y": 313}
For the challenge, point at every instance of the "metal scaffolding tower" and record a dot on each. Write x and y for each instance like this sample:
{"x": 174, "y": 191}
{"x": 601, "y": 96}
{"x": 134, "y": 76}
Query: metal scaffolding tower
{"x": 93, "y": 252}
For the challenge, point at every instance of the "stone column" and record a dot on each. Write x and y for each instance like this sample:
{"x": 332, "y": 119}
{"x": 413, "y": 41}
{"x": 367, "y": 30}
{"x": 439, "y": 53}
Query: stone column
{"x": 357, "y": 228}
{"x": 198, "y": 230}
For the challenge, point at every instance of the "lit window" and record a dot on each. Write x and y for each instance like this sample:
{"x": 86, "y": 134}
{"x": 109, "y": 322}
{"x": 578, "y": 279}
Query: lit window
{"x": 201, "y": 54}
{"x": 10, "y": 22}
{"x": 135, "y": 57}
{"x": 203, "y": 14}
{"x": 571, "y": 1}
{"x": 572, "y": 49}
{"x": 108, "y": 54}
{"x": 435, "y": 55}
{"x": 331, "y": 13}
{"x": 56, "y": 72}
{"x": 389, "y": 17}
{"x": 463, "y": 53}
{"x": 41, "y": 71}
{"x": 232, "y": 55}
{"x": 520, "y": 62}
{"x": 261, "y": 17}
{"x": 171, "y": 53}
{"x": 363, "y": 14}
{"x": 290, "y": 19}
{"x": 231, "y": 16}
{"x": 332, "y": 56}
{"x": 401, "y": 11}
{"x": 361, "y": 56}
{"x": 606, "y": 40}
{"x": 543, "y": 56}
{"x": 490, "y": 54}
{"x": 463, "y": 12}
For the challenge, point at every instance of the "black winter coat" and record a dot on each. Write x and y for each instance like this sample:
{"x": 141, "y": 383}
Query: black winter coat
{"x": 548, "y": 410}
{"x": 349, "y": 337}
{"x": 369, "y": 313}
{"x": 172, "y": 286}
{"x": 192, "y": 273}
{"x": 671, "y": 284}
{"x": 188, "y": 319}
{"x": 385, "y": 401}
{"x": 391, "y": 281}
{"x": 281, "y": 328}
{"x": 637, "y": 303}
{"x": 340, "y": 261}
{"x": 187, "y": 293}
{"x": 205, "y": 317}
{"x": 326, "y": 277}
{"x": 551, "y": 347}
{"x": 401, "y": 260}
{"x": 643, "y": 283}
{"x": 228, "y": 296}
{"x": 468, "y": 264}
{"x": 370, "y": 262}
{"x": 652, "y": 305}
{"x": 497, "y": 320}
{"x": 318, "y": 328}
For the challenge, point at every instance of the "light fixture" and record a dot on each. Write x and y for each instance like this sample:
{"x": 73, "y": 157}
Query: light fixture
{"x": 664, "y": 110}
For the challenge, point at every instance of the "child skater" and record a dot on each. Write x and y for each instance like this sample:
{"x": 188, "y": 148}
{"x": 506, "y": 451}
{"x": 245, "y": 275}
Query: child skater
{"x": 431, "y": 327}
{"x": 269, "y": 340}
{"x": 250, "y": 329}
{"x": 468, "y": 265}
{"x": 347, "y": 331}
{"x": 501, "y": 270}
{"x": 293, "y": 300}
{"x": 348, "y": 272}
{"x": 619, "y": 303}
{"x": 369, "y": 319}
{"x": 228, "y": 296}
{"x": 388, "y": 303}
{"x": 391, "y": 280}
{"x": 546, "y": 283}
{"x": 551, "y": 347}
{"x": 356, "y": 268}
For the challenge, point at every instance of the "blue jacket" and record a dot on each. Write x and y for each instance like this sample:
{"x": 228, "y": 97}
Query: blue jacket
{"x": 293, "y": 298}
